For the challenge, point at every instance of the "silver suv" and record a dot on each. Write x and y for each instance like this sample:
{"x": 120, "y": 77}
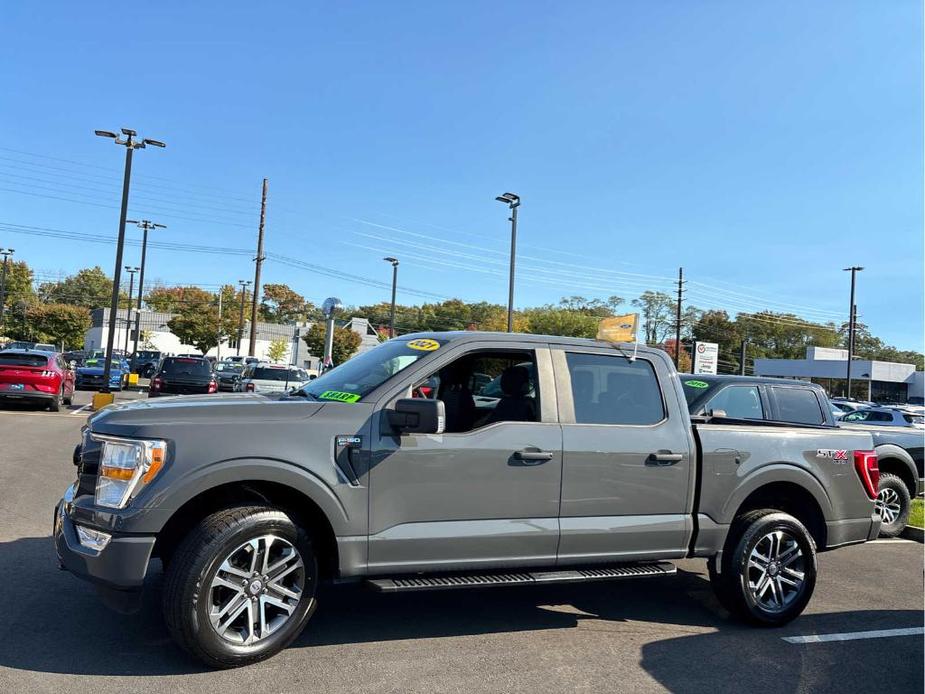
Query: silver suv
{"x": 271, "y": 378}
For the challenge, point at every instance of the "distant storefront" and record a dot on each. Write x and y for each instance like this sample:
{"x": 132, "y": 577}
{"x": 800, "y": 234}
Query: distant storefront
{"x": 881, "y": 381}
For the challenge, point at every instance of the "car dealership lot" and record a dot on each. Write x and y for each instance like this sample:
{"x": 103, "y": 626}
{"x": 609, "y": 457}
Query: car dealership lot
{"x": 644, "y": 635}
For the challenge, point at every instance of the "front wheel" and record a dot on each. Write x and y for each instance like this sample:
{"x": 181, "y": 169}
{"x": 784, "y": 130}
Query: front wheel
{"x": 768, "y": 568}
{"x": 892, "y": 505}
{"x": 241, "y": 586}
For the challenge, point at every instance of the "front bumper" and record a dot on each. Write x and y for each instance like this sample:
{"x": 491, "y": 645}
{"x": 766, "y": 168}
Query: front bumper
{"x": 118, "y": 570}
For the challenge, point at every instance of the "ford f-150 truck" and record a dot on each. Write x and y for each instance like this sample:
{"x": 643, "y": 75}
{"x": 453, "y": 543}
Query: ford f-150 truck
{"x": 451, "y": 460}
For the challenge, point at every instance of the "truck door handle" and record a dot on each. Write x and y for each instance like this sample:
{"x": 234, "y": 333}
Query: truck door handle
{"x": 664, "y": 458}
{"x": 532, "y": 457}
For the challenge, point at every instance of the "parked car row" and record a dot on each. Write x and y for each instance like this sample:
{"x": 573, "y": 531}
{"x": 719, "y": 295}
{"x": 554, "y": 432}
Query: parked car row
{"x": 186, "y": 375}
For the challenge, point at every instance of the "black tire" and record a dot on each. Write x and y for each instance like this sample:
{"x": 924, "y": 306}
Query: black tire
{"x": 733, "y": 585}
{"x": 55, "y": 404}
{"x": 893, "y": 491}
{"x": 68, "y": 400}
{"x": 196, "y": 561}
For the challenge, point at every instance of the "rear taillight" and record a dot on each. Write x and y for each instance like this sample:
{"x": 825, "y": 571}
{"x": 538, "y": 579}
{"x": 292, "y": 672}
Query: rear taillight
{"x": 155, "y": 384}
{"x": 48, "y": 374}
{"x": 249, "y": 387}
{"x": 865, "y": 464}
{"x": 213, "y": 386}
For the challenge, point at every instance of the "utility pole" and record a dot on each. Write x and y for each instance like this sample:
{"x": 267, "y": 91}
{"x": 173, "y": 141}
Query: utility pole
{"x": 244, "y": 285}
{"x": 146, "y": 226}
{"x": 852, "y": 316}
{"x": 252, "y": 346}
{"x": 128, "y": 318}
{"x": 130, "y": 145}
{"x": 6, "y": 253}
{"x": 742, "y": 357}
{"x": 394, "y": 262}
{"x": 218, "y": 347}
{"x": 513, "y": 202}
{"x": 677, "y": 325}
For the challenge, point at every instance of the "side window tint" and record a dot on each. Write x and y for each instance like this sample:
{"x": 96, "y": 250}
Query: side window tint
{"x": 614, "y": 390}
{"x": 798, "y": 405}
{"x": 739, "y": 402}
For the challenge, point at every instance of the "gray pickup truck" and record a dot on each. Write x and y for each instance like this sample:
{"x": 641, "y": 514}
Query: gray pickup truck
{"x": 451, "y": 460}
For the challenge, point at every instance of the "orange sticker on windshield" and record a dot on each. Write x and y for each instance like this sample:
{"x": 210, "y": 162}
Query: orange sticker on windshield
{"x": 424, "y": 345}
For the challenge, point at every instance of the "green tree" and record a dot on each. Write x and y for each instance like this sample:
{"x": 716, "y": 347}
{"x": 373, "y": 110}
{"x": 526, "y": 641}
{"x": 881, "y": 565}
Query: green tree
{"x": 716, "y": 326}
{"x": 176, "y": 299}
{"x": 657, "y": 309}
{"x": 52, "y": 323}
{"x": 196, "y": 321}
{"x": 549, "y": 320}
{"x": 592, "y": 307}
{"x": 18, "y": 285}
{"x": 280, "y": 304}
{"x": 278, "y": 349}
{"x": 89, "y": 287}
{"x": 346, "y": 342}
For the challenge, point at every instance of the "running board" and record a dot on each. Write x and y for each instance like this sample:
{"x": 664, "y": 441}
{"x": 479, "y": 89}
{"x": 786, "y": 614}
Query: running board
{"x": 488, "y": 580}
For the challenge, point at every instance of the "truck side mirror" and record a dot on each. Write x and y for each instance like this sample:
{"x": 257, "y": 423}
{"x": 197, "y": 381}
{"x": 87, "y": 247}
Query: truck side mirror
{"x": 418, "y": 416}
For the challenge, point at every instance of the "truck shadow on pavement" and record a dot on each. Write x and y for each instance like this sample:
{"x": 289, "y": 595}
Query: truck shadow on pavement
{"x": 56, "y": 624}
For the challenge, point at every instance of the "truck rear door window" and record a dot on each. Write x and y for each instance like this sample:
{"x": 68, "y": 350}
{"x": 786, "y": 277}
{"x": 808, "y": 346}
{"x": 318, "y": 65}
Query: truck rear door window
{"x": 798, "y": 405}
{"x": 738, "y": 402}
{"x": 614, "y": 390}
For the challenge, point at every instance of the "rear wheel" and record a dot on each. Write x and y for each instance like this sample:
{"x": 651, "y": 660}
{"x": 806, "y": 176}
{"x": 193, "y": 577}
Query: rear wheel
{"x": 892, "y": 505}
{"x": 768, "y": 568}
{"x": 55, "y": 404}
{"x": 241, "y": 586}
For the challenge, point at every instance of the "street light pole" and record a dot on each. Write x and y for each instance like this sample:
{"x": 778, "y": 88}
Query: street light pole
{"x": 394, "y": 262}
{"x": 130, "y": 145}
{"x": 146, "y": 226}
{"x": 852, "y": 317}
{"x": 244, "y": 285}
{"x": 128, "y": 319}
{"x": 512, "y": 201}
{"x": 6, "y": 253}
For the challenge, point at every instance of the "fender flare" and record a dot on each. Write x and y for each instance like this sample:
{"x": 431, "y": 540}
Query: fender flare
{"x": 241, "y": 470}
{"x": 771, "y": 474}
{"x": 891, "y": 450}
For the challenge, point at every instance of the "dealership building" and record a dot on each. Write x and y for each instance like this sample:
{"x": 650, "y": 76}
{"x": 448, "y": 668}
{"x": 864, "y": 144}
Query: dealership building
{"x": 881, "y": 381}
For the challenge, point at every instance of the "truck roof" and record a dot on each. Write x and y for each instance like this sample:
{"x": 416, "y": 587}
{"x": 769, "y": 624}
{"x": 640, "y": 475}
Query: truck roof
{"x": 476, "y": 335}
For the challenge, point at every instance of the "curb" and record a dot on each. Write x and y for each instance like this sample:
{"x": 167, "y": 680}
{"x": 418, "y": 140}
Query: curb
{"x": 910, "y": 532}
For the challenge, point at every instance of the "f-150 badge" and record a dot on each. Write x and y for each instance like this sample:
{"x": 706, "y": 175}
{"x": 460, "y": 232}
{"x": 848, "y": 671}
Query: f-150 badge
{"x": 832, "y": 454}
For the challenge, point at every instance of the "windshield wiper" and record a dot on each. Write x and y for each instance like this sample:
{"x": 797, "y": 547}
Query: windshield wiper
{"x": 301, "y": 393}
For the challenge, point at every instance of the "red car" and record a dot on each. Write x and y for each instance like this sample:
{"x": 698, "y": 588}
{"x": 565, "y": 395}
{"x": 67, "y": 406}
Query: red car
{"x": 35, "y": 376}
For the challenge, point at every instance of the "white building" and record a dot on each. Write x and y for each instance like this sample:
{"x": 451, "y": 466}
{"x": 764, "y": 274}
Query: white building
{"x": 882, "y": 381}
{"x": 155, "y": 335}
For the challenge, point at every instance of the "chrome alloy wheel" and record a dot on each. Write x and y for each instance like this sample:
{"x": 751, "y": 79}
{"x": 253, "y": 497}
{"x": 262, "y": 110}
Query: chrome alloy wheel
{"x": 775, "y": 572}
{"x": 888, "y": 505}
{"x": 256, "y": 589}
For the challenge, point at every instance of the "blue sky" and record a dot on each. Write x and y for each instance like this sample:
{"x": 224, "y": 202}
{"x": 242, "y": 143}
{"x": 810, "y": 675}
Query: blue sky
{"x": 763, "y": 146}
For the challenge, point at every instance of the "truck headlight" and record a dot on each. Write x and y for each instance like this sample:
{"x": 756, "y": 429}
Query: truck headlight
{"x": 126, "y": 466}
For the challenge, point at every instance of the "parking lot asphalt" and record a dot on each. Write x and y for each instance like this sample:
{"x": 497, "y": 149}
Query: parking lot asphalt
{"x": 666, "y": 634}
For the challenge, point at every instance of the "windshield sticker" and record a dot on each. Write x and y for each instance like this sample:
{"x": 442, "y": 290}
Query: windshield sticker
{"x": 697, "y": 384}
{"x": 339, "y": 396}
{"x": 424, "y": 345}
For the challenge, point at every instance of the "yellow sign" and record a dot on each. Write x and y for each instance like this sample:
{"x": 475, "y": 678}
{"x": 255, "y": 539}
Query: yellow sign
{"x": 618, "y": 328}
{"x": 424, "y": 345}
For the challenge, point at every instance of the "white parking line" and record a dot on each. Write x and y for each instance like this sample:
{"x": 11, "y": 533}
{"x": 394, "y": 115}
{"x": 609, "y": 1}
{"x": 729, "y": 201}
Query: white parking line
{"x": 855, "y": 635}
{"x": 82, "y": 408}
{"x": 892, "y": 541}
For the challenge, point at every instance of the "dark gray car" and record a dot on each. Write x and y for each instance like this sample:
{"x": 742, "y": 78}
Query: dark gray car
{"x": 392, "y": 470}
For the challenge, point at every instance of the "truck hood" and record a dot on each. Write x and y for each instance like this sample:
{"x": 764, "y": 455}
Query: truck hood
{"x": 128, "y": 419}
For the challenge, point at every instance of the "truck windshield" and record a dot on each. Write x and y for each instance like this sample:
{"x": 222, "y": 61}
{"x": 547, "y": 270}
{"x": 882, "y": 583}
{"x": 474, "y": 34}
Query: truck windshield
{"x": 356, "y": 378}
